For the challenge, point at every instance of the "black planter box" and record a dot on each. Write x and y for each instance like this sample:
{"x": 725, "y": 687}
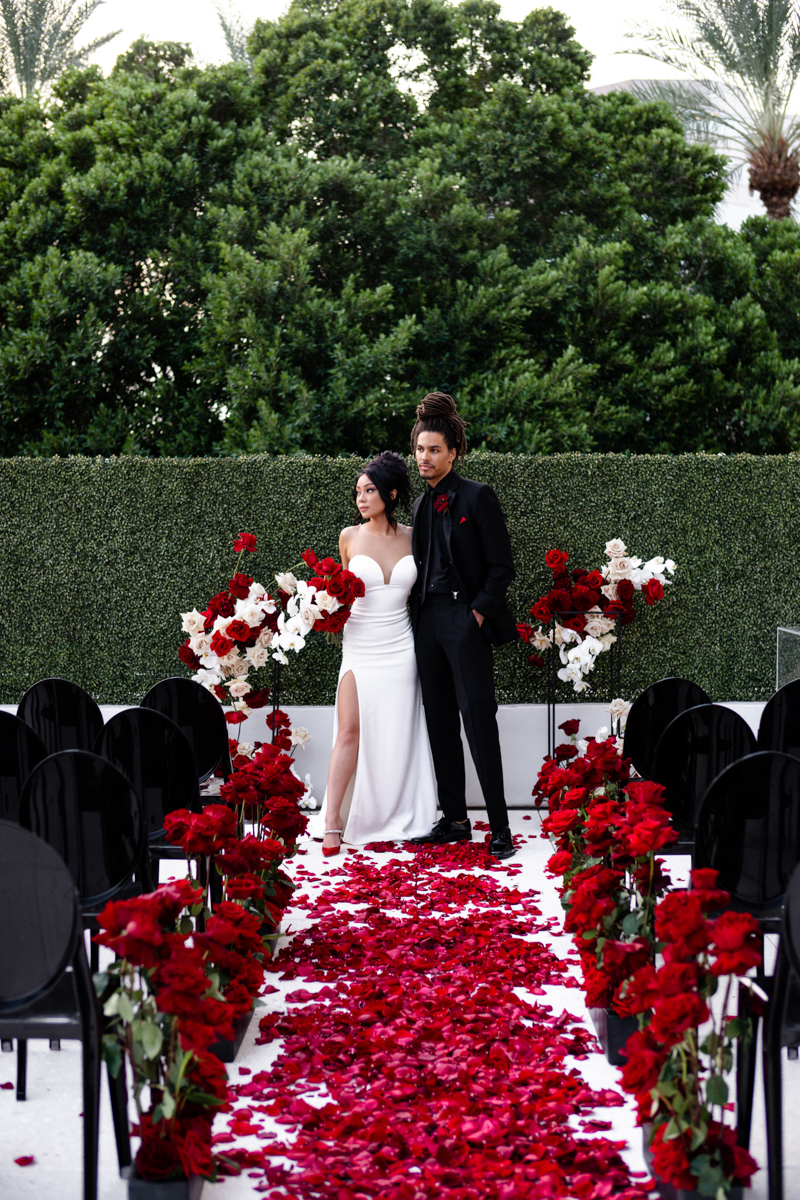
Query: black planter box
{"x": 612, "y": 1032}
{"x": 227, "y": 1049}
{"x": 164, "y": 1189}
{"x": 668, "y": 1191}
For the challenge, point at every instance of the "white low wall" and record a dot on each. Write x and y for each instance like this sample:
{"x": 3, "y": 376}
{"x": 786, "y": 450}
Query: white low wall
{"x": 523, "y": 738}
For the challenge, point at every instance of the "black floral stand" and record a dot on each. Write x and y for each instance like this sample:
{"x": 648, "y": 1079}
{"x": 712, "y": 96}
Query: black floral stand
{"x": 164, "y": 1189}
{"x": 226, "y": 1049}
{"x": 612, "y": 1032}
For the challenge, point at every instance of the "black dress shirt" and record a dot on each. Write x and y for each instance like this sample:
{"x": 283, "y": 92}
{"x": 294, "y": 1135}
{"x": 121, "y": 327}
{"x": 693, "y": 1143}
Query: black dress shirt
{"x": 440, "y": 578}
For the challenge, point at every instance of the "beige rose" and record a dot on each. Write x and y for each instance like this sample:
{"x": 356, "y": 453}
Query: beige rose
{"x": 620, "y": 568}
{"x": 300, "y": 737}
{"x": 193, "y": 622}
{"x": 238, "y": 688}
{"x": 616, "y": 548}
{"x": 541, "y": 641}
{"x": 200, "y": 643}
{"x": 264, "y": 639}
{"x": 609, "y": 590}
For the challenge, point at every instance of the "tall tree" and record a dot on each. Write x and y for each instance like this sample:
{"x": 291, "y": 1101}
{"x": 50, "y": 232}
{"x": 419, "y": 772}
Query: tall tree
{"x": 744, "y": 57}
{"x": 234, "y": 32}
{"x": 39, "y": 38}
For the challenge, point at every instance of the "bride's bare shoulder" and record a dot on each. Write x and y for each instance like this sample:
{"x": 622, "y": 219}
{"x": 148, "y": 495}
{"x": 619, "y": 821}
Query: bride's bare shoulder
{"x": 404, "y": 531}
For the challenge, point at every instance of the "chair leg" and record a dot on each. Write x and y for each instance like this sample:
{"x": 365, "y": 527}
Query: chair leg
{"x": 22, "y": 1068}
{"x": 773, "y": 1098}
{"x": 119, "y": 1111}
{"x": 745, "y": 1070}
{"x": 90, "y": 1038}
{"x": 94, "y": 956}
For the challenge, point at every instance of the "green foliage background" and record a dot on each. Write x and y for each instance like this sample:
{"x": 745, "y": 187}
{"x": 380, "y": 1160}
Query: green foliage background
{"x": 390, "y": 197}
{"x": 99, "y": 556}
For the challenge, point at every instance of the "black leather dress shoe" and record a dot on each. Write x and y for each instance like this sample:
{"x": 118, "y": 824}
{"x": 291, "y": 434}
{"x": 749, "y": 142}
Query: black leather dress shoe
{"x": 445, "y": 831}
{"x": 501, "y": 844}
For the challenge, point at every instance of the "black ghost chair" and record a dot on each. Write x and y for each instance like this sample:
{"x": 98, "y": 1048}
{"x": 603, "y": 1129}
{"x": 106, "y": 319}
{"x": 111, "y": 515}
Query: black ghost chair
{"x": 46, "y": 989}
{"x": 63, "y": 714}
{"x": 20, "y": 751}
{"x": 200, "y": 718}
{"x": 748, "y": 830}
{"x": 691, "y": 752}
{"x": 779, "y": 728}
{"x": 153, "y": 753}
{"x": 782, "y": 1028}
{"x": 86, "y": 809}
{"x": 651, "y": 713}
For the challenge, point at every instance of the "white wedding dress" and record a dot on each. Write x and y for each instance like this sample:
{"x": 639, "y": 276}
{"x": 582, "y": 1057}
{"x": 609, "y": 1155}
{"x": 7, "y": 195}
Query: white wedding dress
{"x": 392, "y": 794}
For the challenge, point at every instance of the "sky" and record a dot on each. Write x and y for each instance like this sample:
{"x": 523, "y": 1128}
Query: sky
{"x": 599, "y": 24}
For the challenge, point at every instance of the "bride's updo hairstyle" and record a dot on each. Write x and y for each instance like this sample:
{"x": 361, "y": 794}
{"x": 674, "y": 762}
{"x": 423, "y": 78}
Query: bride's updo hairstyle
{"x": 438, "y": 414}
{"x": 389, "y": 473}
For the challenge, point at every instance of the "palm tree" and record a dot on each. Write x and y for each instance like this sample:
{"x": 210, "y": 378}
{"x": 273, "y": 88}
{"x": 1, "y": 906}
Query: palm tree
{"x": 743, "y": 57}
{"x": 234, "y": 32}
{"x": 38, "y": 37}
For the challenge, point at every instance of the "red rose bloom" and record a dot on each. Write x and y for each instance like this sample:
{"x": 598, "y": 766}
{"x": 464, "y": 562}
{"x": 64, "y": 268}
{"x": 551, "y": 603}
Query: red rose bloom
{"x": 560, "y": 600}
{"x": 327, "y": 566}
{"x": 441, "y": 504}
{"x": 570, "y": 728}
{"x": 240, "y": 586}
{"x": 583, "y": 599}
{"x": 735, "y": 937}
{"x": 259, "y": 699}
{"x": 561, "y": 822}
{"x": 535, "y": 660}
{"x": 593, "y": 580}
{"x": 188, "y": 657}
{"x": 222, "y": 605}
{"x": 245, "y": 541}
{"x": 235, "y": 718}
{"x": 578, "y": 624}
{"x": 220, "y": 644}
{"x": 560, "y": 863}
{"x": 309, "y": 558}
{"x": 556, "y": 559}
{"x": 524, "y": 632}
{"x": 673, "y": 1015}
{"x": 337, "y": 621}
{"x": 359, "y": 589}
{"x": 157, "y": 1157}
{"x": 336, "y": 586}
{"x": 671, "y": 1162}
{"x": 625, "y": 591}
{"x": 240, "y": 631}
{"x": 653, "y": 591}
{"x": 541, "y": 611}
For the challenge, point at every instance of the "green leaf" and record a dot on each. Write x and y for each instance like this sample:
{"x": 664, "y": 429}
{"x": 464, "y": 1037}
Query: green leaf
{"x": 717, "y": 1090}
{"x": 152, "y": 1039}
{"x": 632, "y": 923}
{"x": 125, "y": 1007}
{"x": 112, "y": 1054}
{"x": 166, "y": 1108}
{"x": 185, "y": 925}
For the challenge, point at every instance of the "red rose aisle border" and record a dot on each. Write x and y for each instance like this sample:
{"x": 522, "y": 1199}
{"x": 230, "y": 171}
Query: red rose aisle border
{"x": 433, "y": 1072}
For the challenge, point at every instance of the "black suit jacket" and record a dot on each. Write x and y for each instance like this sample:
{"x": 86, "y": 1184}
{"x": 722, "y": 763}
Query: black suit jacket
{"x": 480, "y": 554}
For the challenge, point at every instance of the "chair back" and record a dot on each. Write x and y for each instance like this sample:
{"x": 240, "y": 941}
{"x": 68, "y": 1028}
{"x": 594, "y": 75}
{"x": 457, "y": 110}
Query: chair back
{"x": 691, "y": 752}
{"x": 651, "y": 713}
{"x": 748, "y": 829}
{"x": 41, "y": 920}
{"x": 63, "y": 714}
{"x": 790, "y": 930}
{"x": 20, "y": 751}
{"x": 200, "y": 718}
{"x": 156, "y": 757}
{"x": 779, "y": 728}
{"x": 87, "y": 810}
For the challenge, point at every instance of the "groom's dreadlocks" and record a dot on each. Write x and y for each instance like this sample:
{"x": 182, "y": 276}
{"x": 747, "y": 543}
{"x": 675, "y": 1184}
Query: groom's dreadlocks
{"x": 438, "y": 414}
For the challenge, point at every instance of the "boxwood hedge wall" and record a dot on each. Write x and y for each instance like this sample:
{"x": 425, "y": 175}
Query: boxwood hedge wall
{"x": 99, "y": 556}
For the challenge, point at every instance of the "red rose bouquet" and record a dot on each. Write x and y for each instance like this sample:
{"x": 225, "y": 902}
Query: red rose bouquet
{"x": 321, "y": 603}
{"x": 584, "y": 608}
{"x": 229, "y": 640}
{"x": 677, "y": 1062}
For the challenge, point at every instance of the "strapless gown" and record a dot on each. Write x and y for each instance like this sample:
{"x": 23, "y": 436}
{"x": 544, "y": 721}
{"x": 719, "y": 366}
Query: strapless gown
{"x": 392, "y": 795}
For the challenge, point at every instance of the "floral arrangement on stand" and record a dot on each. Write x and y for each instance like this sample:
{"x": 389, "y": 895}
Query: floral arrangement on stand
{"x": 187, "y": 973}
{"x": 594, "y": 601}
{"x": 677, "y": 1073}
{"x": 607, "y": 830}
{"x": 232, "y": 641}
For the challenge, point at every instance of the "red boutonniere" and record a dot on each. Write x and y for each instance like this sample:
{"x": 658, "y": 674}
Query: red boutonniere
{"x": 441, "y": 504}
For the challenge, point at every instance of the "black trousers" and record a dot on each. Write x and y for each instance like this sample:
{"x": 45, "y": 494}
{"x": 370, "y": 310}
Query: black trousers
{"x": 456, "y": 671}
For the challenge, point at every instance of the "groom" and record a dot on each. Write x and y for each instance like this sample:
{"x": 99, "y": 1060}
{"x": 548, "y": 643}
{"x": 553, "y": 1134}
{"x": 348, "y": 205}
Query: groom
{"x": 458, "y": 609}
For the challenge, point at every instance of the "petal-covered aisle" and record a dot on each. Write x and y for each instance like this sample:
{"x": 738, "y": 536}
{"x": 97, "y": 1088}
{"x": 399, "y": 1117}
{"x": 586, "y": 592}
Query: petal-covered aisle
{"x": 422, "y": 1032}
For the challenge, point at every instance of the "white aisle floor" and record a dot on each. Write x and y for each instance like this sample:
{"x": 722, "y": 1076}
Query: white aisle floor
{"x": 48, "y": 1124}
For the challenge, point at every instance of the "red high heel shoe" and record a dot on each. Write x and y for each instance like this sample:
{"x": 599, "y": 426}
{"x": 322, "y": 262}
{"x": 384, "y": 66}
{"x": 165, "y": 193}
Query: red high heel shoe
{"x": 329, "y": 851}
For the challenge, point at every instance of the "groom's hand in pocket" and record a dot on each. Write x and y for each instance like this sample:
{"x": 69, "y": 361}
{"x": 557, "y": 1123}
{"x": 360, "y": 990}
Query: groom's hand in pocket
{"x": 479, "y": 617}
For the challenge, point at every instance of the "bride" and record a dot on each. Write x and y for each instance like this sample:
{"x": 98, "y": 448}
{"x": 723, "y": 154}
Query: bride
{"x": 381, "y": 783}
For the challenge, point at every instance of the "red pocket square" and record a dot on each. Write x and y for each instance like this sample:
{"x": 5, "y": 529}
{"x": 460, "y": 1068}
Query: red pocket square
{"x": 463, "y": 519}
